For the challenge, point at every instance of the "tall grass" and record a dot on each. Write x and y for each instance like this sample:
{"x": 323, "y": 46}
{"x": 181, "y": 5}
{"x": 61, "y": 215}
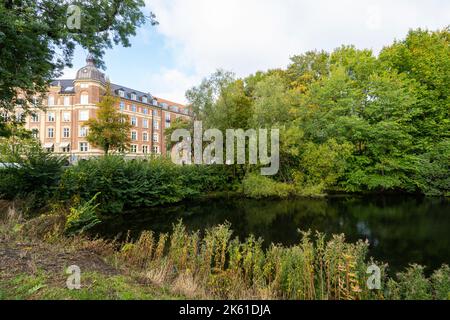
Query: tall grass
{"x": 218, "y": 266}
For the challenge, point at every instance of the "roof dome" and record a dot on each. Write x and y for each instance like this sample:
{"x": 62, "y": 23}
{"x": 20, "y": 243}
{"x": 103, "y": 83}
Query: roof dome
{"x": 90, "y": 71}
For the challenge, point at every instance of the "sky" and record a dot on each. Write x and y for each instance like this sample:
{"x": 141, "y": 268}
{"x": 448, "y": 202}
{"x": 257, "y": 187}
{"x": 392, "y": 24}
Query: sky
{"x": 197, "y": 37}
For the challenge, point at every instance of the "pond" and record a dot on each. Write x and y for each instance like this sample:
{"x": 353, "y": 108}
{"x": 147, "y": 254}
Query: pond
{"x": 400, "y": 229}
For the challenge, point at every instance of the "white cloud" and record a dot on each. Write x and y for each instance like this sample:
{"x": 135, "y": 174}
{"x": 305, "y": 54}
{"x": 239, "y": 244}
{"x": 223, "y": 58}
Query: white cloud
{"x": 244, "y": 36}
{"x": 249, "y": 35}
{"x": 170, "y": 84}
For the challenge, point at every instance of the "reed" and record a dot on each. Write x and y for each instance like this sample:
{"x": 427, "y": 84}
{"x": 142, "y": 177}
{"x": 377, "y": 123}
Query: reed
{"x": 217, "y": 266}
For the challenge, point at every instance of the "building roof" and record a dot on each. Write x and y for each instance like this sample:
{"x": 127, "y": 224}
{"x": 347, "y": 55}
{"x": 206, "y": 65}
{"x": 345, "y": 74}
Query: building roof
{"x": 90, "y": 71}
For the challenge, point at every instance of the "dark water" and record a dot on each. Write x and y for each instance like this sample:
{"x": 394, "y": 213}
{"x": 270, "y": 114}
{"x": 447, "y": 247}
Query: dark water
{"x": 400, "y": 230}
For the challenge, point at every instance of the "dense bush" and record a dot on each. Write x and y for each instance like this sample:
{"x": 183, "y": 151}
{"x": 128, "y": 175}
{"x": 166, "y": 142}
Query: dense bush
{"x": 125, "y": 185}
{"x": 33, "y": 175}
{"x": 257, "y": 186}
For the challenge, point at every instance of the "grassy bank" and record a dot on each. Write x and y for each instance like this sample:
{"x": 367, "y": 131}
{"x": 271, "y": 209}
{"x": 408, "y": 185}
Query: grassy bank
{"x": 183, "y": 264}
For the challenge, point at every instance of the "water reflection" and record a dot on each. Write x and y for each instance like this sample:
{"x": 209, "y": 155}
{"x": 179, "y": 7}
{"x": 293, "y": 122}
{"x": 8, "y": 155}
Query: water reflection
{"x": 400, "y": 230}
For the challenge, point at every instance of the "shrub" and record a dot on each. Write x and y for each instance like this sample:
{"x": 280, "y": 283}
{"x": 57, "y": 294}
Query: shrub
{"x": 35, "y": 176}
{"x": 257, "y": 186}
{"x": 127, "y": 185}
{"x": 82, "y": 218}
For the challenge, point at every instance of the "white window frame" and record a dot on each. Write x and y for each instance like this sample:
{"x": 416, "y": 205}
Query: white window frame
{"x": 52, "y": 130}
{"x": 84, "y": 147}
{"x": 51, "y": 117}
{"x": 83, "y": 115}
{"x": 83, "y": 132}
{"x": 67, "y": 101}
{"x": 66, "y": 116}
{"x": 84, "y": 98}
{"x": 66, "y": 132}
{"x": 34, "y": 117}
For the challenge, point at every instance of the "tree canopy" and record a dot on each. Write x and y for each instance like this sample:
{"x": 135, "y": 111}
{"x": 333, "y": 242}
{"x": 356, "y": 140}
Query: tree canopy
{"x": 348, "y": 120}
{"x": 110, "y": 129}
{"x": 37, "y": 40}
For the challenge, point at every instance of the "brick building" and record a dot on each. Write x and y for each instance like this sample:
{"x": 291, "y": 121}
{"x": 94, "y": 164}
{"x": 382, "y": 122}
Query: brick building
{"x": 70, "y": 103}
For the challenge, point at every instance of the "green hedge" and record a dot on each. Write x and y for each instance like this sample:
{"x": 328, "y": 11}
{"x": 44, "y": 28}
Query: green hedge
{"x": 126, "y": 185}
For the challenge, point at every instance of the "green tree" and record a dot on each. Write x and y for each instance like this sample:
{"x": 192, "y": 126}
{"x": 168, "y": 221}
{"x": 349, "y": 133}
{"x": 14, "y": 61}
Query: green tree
{"x": 36, "y": 42}
{"x": 110, "y": 130}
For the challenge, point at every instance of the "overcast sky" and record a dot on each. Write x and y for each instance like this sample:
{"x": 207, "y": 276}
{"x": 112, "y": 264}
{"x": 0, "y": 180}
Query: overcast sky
{"x": 196, "y": 37}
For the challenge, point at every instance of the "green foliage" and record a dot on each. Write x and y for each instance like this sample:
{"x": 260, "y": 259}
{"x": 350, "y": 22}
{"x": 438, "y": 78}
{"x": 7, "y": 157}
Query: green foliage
{"x": 126, "y": 185}
{"x": 82, "y": 218}
{"x": 257, "y": 186}
{"x": 348, "y": 120}
{"x": 313, "y": 269}
{"x": 110, "y": 129}
{"x": 36, "y": 43}
{"x": 30, "y": 171}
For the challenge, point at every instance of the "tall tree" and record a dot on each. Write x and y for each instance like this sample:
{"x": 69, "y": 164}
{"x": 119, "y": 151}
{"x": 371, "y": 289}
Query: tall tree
{"x": 110, "y": 130}
{"x": 38, "y": 38}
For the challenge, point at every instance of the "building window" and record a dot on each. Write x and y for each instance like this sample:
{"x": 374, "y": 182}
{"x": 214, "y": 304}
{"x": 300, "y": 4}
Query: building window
{"x": 144, "y": 149}
{"x": 34, "y": 117}
{"x": 122, "y": 106}
{"x": 121, "y": 93}
{"x": 83, "y": 115}
{"x": 83, "y": 131}
{"x": 51, "y": 117}
{"x": 155, "y": 137}
{"x": 66, "y": 116}
{"x": 133, "y": 96}
{"x": 133, "y": 148}
{"x": 155, "y": 149}
{"x": 133, "y": 135}
{"x": 144, "y": 136}
{"x": 145, "y": 123}
{"x": 51, "y": 100}
{"x": 174, "y": 108}
{"x": 134, "y": 121}
{"x": 155, "y": 102}
{"x": 84, "y": 98}
{"x": 35, "y": 133}
{"x": 83, "y": 146}
{"x": 167, "y": 124}
{"x": 144, "y": 110}
{"x": 155, "y": 112}
{"x": 66, "y": 133}
{"x": 144, "y": 99}
{"x": 167, "y": 117}
{"x": 67, "y": 101}
{"x": 155, "y": 125}
{"x": 50, "y": 133}
{"x": 65, "y": 148}
{"x": 133, "y": 108}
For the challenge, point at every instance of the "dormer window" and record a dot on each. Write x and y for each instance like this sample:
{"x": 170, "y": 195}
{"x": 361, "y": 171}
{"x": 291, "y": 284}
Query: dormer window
{"x": 155, "y": 102}
{"x": 133, "y": 96}
{"x": 144, "y": 99}
{"x": 121, "y": 93}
